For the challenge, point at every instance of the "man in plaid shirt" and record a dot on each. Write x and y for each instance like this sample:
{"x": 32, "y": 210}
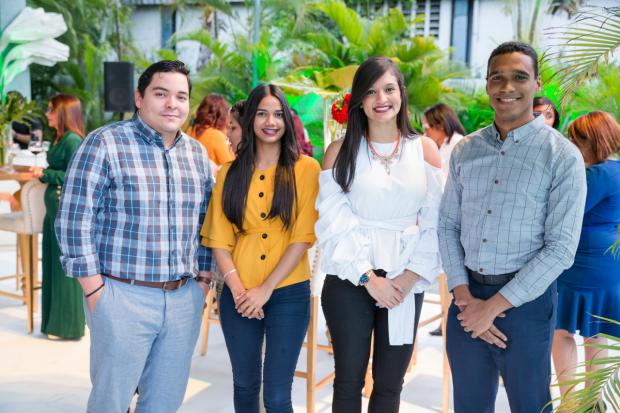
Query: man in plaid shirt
{"x": 133, "y": 202}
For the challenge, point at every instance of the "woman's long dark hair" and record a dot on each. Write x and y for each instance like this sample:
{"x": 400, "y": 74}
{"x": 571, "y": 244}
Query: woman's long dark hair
{"x": 365, "y": 76}
{"x": 239, "y": 176}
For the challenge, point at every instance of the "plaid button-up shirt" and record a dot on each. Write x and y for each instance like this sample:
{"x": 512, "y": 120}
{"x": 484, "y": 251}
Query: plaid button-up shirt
{"x": 512, "y": 205}
{"x": 133, "y": 209}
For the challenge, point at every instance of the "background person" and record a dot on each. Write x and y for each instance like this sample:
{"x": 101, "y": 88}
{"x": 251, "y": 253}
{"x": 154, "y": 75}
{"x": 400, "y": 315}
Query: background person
{"x": 62, "y": 311}
{"x": 302, "y": 136}
{"x": 377, "y": 232}
{"x": 209, "y": 127}
{"x": 543, "y": 106}
{"x": 442, "y": 125}
{"x": 235, "y": 121}
{"x": 260, "y": 225}
{"x": 591, "y": 287}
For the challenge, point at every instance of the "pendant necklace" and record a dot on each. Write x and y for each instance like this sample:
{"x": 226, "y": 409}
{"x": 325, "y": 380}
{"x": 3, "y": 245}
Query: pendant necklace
{"x": 385, "y": 160}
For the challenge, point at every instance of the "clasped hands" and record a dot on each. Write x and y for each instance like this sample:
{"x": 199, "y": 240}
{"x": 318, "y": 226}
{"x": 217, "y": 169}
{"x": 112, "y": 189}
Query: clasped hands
{"x": 249, "y": 303}
{"x": 389, "y": 293}
{"x": 477, "y": 316}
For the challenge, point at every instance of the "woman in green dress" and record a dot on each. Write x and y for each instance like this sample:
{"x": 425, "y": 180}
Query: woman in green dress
{"x": 62, "y": 313}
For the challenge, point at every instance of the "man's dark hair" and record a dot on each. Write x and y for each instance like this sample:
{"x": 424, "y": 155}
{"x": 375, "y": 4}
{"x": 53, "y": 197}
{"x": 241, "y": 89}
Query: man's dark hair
{"x": 515, "y": 47}
{"x": 163, "y": 66}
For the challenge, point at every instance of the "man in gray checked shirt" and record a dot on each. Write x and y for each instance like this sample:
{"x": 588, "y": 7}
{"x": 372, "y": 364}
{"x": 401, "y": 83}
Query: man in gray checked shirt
{"x": 509, "y": 224}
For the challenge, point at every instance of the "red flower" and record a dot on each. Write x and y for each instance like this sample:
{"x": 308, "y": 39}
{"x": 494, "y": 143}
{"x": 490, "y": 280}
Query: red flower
{"x": 340, "y": 109}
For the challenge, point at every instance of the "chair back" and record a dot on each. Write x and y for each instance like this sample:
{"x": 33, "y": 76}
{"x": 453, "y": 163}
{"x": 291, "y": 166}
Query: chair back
{"x": 317, "y": 276}
{"x": 33, "y": 206}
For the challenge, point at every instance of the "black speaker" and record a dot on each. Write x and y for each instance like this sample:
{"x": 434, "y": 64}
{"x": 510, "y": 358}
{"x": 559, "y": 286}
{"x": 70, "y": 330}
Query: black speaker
{"x": 118, "y": 86}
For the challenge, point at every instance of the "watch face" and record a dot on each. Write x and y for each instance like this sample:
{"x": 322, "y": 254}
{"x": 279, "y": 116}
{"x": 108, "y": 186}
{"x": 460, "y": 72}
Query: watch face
{"x": 363, "y": 279}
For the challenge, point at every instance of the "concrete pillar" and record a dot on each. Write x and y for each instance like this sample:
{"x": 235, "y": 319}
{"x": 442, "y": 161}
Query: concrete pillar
{"x": 8, "y": 11}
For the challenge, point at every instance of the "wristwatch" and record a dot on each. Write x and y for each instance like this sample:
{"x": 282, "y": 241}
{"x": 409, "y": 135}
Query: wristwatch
{"x": 364, "y": 278}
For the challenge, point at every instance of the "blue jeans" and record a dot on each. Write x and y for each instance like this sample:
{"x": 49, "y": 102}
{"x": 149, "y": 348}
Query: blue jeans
{"x": 525, "y": 365}
{"x": 143, "y": 338}
{"x": 287, "y": 314}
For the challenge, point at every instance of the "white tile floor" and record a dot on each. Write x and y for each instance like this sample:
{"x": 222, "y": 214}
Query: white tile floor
{"x": 40, "y": 375}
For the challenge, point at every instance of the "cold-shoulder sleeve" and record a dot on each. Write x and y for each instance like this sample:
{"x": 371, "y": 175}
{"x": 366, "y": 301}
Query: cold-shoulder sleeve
{"x": 425, "y": 259}
{"x": 345, "y": 251}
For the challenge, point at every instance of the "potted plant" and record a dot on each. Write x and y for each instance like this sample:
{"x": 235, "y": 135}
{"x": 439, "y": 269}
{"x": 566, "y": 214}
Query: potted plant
{"x": 13, "y": 108}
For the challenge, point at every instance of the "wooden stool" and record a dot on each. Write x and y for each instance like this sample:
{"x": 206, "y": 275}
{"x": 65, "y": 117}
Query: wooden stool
{"x": 210, "y": 316}
{"x": 312, "y": 346}
{"x": 444, "y": 301}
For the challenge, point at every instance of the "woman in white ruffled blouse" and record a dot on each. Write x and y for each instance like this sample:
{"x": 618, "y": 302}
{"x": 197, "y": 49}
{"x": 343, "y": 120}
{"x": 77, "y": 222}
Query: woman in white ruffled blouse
{"x": 378, "y": 205}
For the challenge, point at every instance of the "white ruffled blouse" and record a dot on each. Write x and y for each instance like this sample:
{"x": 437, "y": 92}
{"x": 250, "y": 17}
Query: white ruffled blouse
{"x": 386, "y": 221}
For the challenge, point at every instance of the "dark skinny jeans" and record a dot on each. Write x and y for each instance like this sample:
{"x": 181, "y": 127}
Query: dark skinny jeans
{"x": 352, "y": 316}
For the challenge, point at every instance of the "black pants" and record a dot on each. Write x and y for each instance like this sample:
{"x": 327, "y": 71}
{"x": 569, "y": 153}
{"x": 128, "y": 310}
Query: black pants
{"x": 351, "y": 316}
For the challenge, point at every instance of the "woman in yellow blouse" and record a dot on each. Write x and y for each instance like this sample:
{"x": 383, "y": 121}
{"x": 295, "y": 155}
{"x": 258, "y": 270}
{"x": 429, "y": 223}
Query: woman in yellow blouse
{"x": 210, "y": 126}
{"x": 260, "y": 224}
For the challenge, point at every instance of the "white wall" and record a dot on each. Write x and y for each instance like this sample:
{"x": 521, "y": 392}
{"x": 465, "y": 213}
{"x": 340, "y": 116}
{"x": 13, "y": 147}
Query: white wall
{"x": 445, "y": 24}
{"x": 189, "y": 21}
{"x": 146, "y": 29}
{"x": 492, "y": 26}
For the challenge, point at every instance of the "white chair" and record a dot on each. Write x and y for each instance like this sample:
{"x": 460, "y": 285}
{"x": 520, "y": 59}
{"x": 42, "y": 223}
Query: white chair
{"x": 27, "y": 224}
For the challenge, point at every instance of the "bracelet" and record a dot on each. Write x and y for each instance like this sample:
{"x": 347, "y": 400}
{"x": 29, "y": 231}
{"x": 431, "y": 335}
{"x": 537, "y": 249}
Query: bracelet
{"x": 228, "y": 273}
{"x": 93, "y": 292}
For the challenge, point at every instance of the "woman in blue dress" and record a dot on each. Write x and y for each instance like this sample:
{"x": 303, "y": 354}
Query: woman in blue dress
{"x": 591, "y": 287}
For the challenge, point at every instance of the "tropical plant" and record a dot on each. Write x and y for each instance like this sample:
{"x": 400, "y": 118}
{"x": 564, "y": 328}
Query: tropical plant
{"x": 16, "y": 109}
{"x": 95, "y": 33}
{"x": 597, "y": 390}
{"x": 577, "y": 49}
{"x": 356, "y": 38}
{"x": 599, "y": 93}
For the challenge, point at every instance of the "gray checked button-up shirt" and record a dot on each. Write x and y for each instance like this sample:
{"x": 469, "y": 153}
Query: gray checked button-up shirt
{"x": 513, "y": 205}
{"x": 132, "y": 208}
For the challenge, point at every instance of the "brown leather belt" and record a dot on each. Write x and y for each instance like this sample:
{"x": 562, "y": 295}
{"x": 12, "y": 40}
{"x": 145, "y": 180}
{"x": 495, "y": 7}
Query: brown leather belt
{"x": 164, "y": 285}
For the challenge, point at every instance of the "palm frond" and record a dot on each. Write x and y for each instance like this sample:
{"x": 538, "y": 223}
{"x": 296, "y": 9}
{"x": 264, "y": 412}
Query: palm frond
{"x": 577, "y": 49}
{"x": 614, "y": 249}
{"x": 603, "y": 383}
{"x": 352, "y": 25}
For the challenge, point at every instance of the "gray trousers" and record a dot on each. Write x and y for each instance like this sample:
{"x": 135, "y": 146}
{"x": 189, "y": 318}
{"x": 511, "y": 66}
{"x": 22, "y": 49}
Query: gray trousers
{"x": 142, "y": 338}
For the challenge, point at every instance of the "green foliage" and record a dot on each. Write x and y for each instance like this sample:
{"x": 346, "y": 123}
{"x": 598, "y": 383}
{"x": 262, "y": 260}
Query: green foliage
{"x": 592, "y": 36}
{"x": 615, "y": 248}
{"x": 474, "y": 110}
{"x": 91, "y": 36}
{"x": 15, "y": 109}
{"x": 600, "y": 93}
{"x": 603, "y": 382}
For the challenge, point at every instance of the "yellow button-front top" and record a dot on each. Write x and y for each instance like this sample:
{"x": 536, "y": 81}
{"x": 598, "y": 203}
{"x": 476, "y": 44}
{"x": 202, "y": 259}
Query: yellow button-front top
{"x": 257, "y": 251}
